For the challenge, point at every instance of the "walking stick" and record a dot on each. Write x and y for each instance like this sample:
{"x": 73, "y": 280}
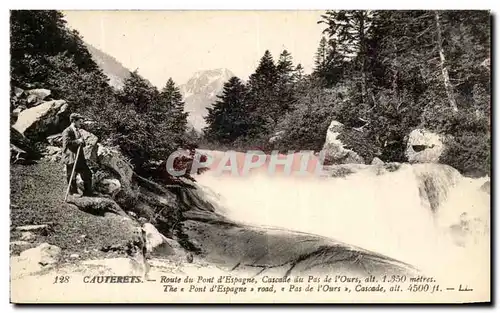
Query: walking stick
{"x": 72, "y": 174}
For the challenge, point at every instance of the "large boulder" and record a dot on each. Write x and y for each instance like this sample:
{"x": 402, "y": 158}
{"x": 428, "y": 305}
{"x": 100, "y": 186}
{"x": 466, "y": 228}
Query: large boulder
{"x": 22, "y": 147}
{"x": 109, "y": 186}
{"x": 43, "y": 120}
{"x": 424, "y": 146}
{"x": 90, "y": 149}
{"x": 155, "y": 241}
{"x": 36, "y": 259}
{"x": 36, "y": 96}
{"x": 335, "y": 152}
{"x": 377, "y": 161}
{"x": 116, "y": 162}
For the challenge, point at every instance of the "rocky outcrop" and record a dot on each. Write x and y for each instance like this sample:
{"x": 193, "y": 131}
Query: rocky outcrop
{"x": 260, "y": 251}
{"x": 335, "y": 152}
{"x": 45, "y": 119}
{"x": 424, "y": 146}
{"x": 115, "y": 161}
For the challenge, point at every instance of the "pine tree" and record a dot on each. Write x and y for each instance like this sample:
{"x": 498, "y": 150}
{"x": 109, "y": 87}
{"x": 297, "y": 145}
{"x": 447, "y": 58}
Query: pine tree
{"x": 262, "y": 96}
{"x": 285, "y": 85}
{"x": 266, "y": 73}
{"x": 285, "y": 66}
{"x": 173, "y": 105}
{"x": 351, "y": 30}
{"x": 329, "y": 64}
{"x": 321, "y": 54}
{"x": 138, "y": 92}
{"x": 227, "y": 119}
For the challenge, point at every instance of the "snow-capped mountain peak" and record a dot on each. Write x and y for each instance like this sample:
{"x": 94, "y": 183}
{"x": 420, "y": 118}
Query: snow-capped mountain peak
{"x": 200, "y": 91}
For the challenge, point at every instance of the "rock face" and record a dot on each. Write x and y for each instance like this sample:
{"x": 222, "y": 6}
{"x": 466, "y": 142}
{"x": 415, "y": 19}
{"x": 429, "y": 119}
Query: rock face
{"x": 42, "y": 120}
{"x": 424, "y": 147}
{"x": 334, "y": 150}
{"x": 36, "y": 259}
{"x": 115, "y": 161}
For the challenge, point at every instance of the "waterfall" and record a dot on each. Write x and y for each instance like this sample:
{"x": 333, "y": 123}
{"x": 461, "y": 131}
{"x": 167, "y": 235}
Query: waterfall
{"x": 427, "y": 215}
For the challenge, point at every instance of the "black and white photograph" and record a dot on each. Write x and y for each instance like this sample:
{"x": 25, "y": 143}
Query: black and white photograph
{"x": 250, "y": 156}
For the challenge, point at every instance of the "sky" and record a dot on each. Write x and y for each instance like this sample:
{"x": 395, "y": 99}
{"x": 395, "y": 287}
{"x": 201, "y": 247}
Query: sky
{"x": 163, "y": 44}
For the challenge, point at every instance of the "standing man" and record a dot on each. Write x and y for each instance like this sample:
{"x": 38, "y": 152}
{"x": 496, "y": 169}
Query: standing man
{"x": 72, "y": 139}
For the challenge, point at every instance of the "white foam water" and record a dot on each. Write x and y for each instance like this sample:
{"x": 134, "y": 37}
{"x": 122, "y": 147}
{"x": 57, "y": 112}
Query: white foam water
{"x": 426, "y": 215}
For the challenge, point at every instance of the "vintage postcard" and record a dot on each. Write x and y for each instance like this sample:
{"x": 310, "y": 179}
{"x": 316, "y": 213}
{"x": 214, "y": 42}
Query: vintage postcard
{"x": 336, "y": 156}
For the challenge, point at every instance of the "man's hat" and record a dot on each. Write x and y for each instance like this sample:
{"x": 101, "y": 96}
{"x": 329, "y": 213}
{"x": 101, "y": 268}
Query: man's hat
{"x": 74, "y": 117}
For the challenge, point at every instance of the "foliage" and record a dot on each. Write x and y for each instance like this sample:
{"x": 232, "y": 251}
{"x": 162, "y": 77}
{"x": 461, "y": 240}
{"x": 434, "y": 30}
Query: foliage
{"x": 468, "y": 140}
{"x": 311, "y": 116}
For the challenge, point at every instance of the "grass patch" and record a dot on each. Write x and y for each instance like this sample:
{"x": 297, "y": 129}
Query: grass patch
{"x": 37, "y": 197}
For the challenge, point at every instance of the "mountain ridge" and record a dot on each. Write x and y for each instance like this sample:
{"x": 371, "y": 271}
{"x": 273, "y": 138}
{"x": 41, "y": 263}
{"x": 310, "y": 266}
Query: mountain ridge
{"x": 112, "y": 68}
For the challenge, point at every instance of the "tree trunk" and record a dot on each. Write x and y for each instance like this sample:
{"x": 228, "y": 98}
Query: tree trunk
{"x": 444, "y": 70}
{"x": 366, "y": 91}
{"x": 362, "y": 50}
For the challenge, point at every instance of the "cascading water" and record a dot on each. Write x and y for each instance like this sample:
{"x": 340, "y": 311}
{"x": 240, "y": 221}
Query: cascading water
{"x": 426, "y": 215}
